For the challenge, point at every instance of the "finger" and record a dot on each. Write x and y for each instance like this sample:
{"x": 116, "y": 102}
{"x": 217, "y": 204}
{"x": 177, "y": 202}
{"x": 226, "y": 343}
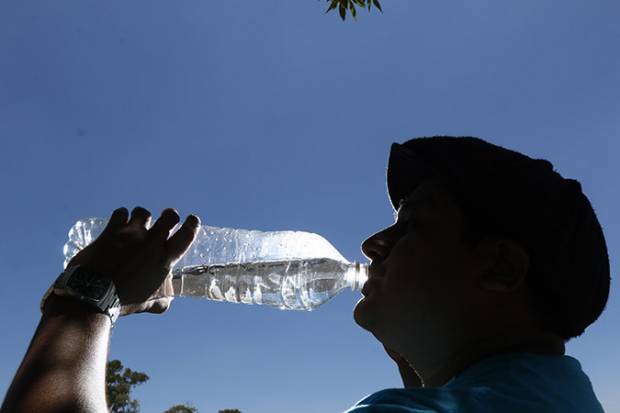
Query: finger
{"x": 164, "y": 224}
{"x": 179, "y": 243}
{"x": 140, "y": 217}
{"x": 117, "y": 220}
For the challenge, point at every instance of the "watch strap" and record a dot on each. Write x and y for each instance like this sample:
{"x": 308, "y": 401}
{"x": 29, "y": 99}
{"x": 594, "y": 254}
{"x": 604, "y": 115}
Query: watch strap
{"x": 109, "y": 304}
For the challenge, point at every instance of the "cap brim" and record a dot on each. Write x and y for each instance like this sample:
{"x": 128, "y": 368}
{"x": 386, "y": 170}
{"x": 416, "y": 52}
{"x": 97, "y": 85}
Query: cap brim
{"x": 405, "y": 171}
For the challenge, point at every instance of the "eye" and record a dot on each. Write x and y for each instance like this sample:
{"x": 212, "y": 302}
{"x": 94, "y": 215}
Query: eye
{"x": 406, "y": 219}
{"x": 406, "y": 224}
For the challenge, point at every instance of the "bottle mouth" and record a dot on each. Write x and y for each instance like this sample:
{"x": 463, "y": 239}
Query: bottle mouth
{"x": 358, "y": 276}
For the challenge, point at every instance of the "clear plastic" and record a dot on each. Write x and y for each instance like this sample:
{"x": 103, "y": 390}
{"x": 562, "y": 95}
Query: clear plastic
{"x": 284, "y": 269}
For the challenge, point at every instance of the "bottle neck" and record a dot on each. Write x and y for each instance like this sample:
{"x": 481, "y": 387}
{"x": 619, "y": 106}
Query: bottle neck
{"x": 357, "y": 275}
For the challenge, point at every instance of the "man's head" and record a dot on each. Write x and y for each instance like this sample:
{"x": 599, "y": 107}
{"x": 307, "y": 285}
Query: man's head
{"x": 487, "y": 243}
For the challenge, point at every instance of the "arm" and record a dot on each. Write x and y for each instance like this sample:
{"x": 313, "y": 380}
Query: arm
{"x": 64, "y": 367}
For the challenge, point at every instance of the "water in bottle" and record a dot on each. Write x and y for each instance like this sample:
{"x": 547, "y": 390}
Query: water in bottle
{"x": 284, "y": 269}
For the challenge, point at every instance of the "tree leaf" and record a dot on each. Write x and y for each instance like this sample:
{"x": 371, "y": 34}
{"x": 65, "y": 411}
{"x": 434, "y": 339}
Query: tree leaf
{"x": 182, "y": 408}
{"x": 353, "y": 11}
{"x": 332, "y": 6}
{"x": 343, "y": 11}
{"x": 119, "y": 382}
{"x": 344, "y": 5}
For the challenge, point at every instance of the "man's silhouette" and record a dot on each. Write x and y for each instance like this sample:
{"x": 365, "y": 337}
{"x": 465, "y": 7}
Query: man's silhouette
{"x": 493, "y": 263}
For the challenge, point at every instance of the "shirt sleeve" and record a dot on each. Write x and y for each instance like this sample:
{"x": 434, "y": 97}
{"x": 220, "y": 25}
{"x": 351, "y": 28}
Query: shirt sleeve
{"x": 387, "y": 408}
{"x": 402, "y": 401}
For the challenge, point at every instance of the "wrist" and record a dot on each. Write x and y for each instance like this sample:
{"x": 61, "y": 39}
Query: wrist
{"x": 80, "y": 284}
{"x": 57, "y": 305}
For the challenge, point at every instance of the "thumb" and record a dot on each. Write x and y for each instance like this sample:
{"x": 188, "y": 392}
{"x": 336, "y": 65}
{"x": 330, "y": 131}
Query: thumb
{"x": 158, "y": 305}
{"x": 155, "y": 306}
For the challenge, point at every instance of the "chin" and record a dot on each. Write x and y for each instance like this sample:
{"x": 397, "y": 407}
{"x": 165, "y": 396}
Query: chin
{"x": 365, "y": 313}
{"x": 376, "y": 318}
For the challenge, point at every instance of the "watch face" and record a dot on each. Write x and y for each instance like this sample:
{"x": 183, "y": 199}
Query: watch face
{"x": 88, "y": 284}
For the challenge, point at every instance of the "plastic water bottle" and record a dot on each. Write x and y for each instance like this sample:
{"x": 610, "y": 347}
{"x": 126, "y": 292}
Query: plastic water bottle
{"x": 290, "y": 270}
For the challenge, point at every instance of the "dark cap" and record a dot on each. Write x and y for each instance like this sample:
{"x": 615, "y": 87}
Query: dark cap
{"x": 507, "y": 194}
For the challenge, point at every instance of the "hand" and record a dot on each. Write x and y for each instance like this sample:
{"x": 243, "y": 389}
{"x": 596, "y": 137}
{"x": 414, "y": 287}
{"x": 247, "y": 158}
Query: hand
{"x": 407, "y": 373}
{"x": 137, "y": 259}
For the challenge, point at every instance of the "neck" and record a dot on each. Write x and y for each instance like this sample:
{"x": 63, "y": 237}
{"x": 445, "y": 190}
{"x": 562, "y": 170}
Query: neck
{"x": 437, "y": 371}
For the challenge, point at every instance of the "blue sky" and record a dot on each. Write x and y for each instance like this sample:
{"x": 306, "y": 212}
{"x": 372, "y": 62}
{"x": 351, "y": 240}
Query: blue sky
{"x": 271, "y": 115}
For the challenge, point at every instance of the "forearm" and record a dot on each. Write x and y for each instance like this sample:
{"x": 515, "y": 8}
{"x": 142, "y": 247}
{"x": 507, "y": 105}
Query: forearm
{"x": 64, "y": 367}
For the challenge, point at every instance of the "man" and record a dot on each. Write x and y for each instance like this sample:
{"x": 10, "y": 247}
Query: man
{"x": 493, "y": 263}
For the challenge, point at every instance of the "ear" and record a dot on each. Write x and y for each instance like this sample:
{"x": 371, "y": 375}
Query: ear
{"x": 507, "y": 266}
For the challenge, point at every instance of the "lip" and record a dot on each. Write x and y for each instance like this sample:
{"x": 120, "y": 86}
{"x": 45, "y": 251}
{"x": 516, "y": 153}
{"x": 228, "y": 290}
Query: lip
{"x": 373, "y": 271}
{"x": 373, "y": 277}
{"x": 367, "y": 288}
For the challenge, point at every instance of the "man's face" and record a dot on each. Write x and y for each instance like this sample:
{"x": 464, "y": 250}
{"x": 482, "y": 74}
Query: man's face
{"x": 419, "y": 278}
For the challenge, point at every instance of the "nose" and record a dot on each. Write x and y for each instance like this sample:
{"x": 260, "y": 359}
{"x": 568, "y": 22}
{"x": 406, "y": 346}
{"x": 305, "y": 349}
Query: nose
{"x": 376, "y": 247}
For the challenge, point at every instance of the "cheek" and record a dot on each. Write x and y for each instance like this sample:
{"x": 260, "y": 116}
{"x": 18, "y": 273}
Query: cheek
{"x": 422, "y": 273}
{"x": 408, "y": 264}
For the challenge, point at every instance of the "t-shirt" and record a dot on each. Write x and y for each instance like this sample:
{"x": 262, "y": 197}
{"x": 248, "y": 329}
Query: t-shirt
{"x": 506, "y": 383}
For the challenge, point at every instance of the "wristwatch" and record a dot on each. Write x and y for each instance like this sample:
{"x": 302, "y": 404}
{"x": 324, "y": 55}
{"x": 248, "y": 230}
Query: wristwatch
{"x": 89, "y": 287}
